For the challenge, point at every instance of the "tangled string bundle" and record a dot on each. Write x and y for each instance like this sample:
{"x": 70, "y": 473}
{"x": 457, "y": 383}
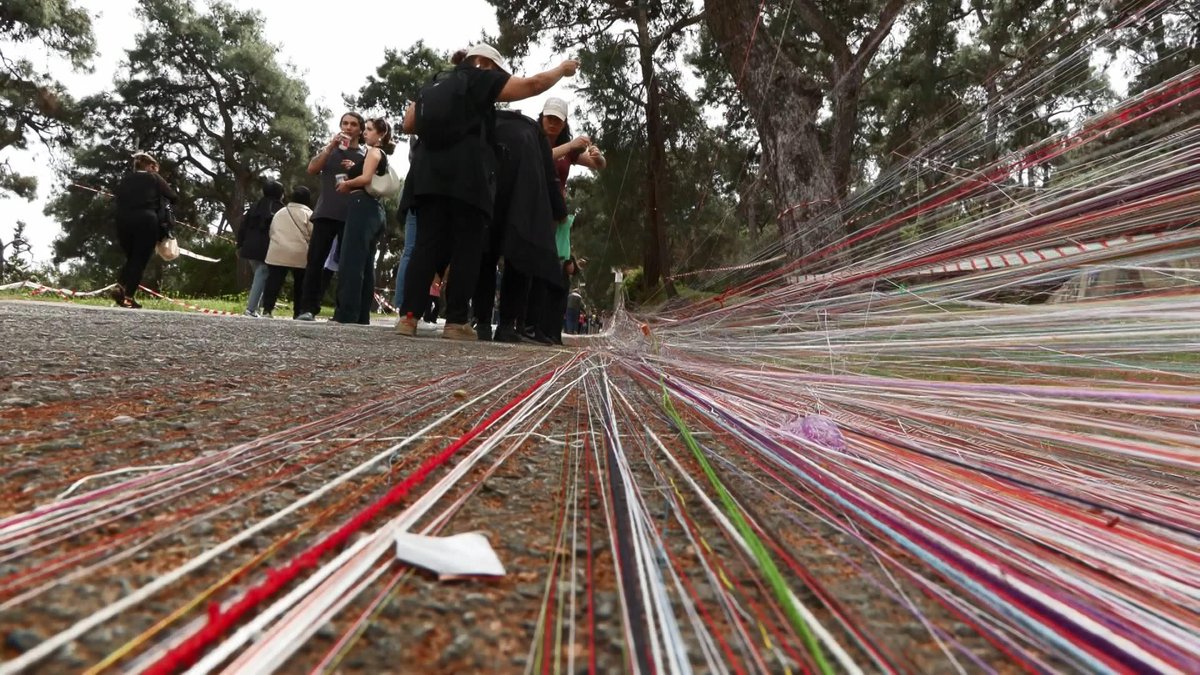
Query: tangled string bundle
{"x": 1002, "y": 475}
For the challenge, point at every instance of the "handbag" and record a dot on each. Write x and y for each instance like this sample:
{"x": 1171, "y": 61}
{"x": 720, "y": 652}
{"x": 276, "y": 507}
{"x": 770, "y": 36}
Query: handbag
{"x": 387, "y": 185}
{"x": 167, "y": 248}
{"x": 303, "y": 234}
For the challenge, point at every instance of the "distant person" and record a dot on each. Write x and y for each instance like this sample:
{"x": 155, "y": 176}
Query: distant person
{"x": 254, "y": 238}
{"x": 574, "y": 315}
{"x": 343, "y": 153}
{"x": 291, "y": 229}
{"x": 454, "y": 176}
{"x": 364, "y": 223}
{"x": 433, "y": 307}
{"x": 142, "y": 199}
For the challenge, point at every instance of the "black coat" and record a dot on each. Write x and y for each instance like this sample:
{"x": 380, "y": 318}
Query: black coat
{"x": 528, "y": 199}
{"x": 254, "y": 234}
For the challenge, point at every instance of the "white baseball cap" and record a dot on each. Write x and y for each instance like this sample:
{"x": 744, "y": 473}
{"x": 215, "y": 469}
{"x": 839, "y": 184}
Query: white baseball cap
{"x": 555, "y": 107}
{"x": 488, "y": 52}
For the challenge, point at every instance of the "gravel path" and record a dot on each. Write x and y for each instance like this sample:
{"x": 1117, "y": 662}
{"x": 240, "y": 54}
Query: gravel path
{"x": 283, "y": 411}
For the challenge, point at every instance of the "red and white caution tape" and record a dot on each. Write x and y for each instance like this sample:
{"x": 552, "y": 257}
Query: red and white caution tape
{"x": 384, "y": 304}
{"x": 1017, "y": 259}
{"x": 203, "y": 310}
{"x": 733, "y": 268}
{"x": 39, "y": 289}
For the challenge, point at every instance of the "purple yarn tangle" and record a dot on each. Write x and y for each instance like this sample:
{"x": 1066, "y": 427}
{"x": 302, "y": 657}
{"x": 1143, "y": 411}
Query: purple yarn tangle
{"x": 819, "y": 429}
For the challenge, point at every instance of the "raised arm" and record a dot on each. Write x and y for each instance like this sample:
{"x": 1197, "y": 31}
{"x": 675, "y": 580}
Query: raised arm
{"x": 317, "y": 163}
{"x": 592, "y": 159}
{"x": 520, "y": 88}
{"x": 576, "y": 145}
{"x": 164, "y": 189}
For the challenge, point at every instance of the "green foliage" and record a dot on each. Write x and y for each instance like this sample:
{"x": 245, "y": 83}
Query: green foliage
{"x": 204, "y": 93}
{"x": 398, "y": 79}
{"x": 31, "y": 102}
{"x": 14, "y": 256}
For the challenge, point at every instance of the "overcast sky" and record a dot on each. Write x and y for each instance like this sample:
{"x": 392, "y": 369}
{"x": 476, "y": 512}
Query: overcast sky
{"x": 291, "y": 26}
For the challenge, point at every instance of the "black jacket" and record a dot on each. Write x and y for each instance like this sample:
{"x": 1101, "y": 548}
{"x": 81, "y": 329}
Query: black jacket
{"x": 528, "y": 199}
{"x": 143, "y": 191}
{"x": 254, "y": 234}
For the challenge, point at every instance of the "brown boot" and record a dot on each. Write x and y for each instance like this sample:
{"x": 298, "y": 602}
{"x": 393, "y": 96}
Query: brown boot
{"x": 406, "y": 325}
{"x": 459, "y": 331}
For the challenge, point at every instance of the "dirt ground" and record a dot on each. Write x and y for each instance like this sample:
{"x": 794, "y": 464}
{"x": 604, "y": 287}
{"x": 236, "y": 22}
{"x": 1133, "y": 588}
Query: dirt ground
{"x": 275, "y": 412}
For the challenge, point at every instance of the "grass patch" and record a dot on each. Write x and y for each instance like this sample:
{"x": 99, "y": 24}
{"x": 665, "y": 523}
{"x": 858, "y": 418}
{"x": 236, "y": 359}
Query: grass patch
{"x": 236, "y": 305}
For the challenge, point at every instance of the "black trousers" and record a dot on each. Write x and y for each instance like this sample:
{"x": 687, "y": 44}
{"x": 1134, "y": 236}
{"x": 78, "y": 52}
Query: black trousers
{"x": 484, "y": 299}
{"x": 548, "y": 306}
{"x": 324, "y": 231}
{"x": 451, "y": 233}
{"x": 275, "y": 276}
{"x": 137, "y": 233}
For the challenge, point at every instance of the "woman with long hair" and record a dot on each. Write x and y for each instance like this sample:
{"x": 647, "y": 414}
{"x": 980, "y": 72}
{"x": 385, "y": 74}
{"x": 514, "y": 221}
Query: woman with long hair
{"x": 548, "y": 303}
{"x": 364, "y": 224}
{"x": 141, "y": 197}
{"x": 254, "y": 238}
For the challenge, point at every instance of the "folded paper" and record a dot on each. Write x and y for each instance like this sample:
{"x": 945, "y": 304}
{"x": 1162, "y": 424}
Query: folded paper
{"x": 467, "y": 554}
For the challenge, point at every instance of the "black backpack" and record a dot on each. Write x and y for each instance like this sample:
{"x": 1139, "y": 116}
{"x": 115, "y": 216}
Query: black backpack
{"x": 444, "y": 116}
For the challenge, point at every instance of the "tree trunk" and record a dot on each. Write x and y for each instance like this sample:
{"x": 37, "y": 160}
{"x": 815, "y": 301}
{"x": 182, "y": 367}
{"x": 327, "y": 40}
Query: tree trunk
{"x": 234, "y": 209}
{"x": 784, "y": 102}
{"x": 656, "y": 266}
{"x": 845, "y": 126}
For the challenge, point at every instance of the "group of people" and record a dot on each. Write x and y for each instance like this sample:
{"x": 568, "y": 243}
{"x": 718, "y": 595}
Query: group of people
{"x": 486, "y": 185}
{"x": 341, "y": 233}
{"x": 484, "y": 206}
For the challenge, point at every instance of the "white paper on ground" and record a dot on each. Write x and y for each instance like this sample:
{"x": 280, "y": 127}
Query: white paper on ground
{"x": 458, "y": 555}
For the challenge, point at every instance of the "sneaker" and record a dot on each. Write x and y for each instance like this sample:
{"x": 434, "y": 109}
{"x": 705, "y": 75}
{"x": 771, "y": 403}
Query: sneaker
{"x": 307, "y": 316}
{"x": 536, "y": 335}
{"x": 459, "y": 331}
{"x": 406, "y": 325}
{"x": 506, "y": 334}
{"x": 250, "y": 313}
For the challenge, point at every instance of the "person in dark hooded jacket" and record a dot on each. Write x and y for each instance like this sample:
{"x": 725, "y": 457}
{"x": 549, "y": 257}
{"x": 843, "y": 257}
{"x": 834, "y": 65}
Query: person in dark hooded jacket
{"x": 528, "y": 204}
{"x": 254, "y": 238}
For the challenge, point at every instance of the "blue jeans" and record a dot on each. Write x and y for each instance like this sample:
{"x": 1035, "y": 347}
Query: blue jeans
{"x": 410, "y": 243}
{"x": 257, "y": 285}
{"x": 356, "y": 259}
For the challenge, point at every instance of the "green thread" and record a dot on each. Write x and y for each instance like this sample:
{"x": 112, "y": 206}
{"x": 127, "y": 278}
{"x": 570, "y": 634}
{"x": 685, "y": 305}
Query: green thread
{"x": 765, "y": 563}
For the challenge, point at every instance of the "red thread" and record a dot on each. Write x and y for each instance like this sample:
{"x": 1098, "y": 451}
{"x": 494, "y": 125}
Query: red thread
{"x": 219, "y": 622}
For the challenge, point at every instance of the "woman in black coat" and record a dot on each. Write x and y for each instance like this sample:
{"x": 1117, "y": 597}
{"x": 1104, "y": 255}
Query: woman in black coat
{"x": 254, "y": 238}
{"x": 142, "y": 197}
{"x": 528, "y": 204}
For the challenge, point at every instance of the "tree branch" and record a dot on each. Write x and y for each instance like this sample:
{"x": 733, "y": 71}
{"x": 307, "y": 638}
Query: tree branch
{"x": 190, "y": 159}
{"x": 675, "y": 28}
{"x": 833, "y": 41}
{"x": 870, "y": 44}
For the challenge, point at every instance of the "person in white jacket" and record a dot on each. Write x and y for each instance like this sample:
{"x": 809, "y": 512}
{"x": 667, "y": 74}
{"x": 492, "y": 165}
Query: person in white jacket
{"x": 291, "y": 230}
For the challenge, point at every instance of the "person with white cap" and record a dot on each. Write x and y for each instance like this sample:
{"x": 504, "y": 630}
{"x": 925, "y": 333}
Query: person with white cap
{"x": 567, "y": 150}
{"x": 548, "y": 302}
{"x": 454, "y": 176}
